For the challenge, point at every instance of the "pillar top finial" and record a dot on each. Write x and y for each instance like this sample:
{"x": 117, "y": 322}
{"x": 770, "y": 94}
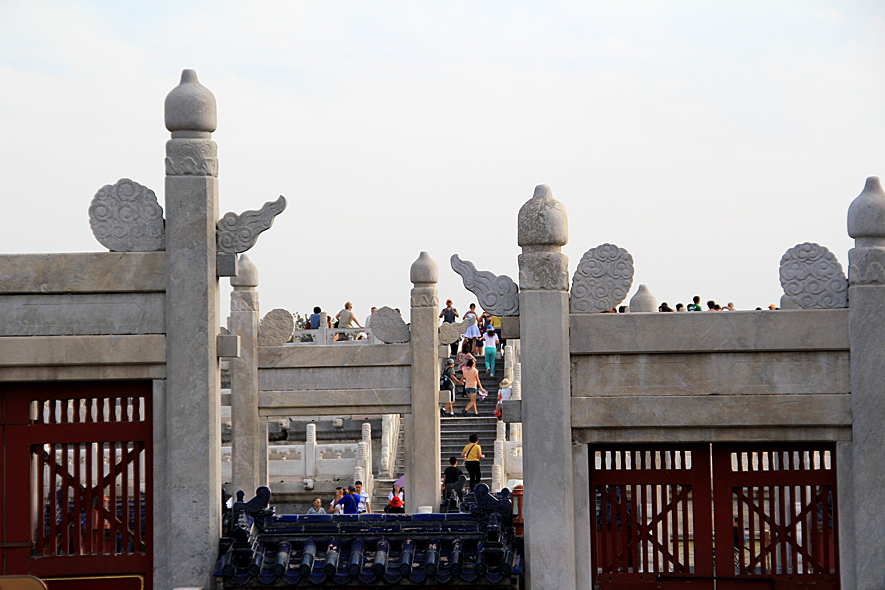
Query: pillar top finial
{"x": 866, "y": 214}
{"x": 424, "y": 270}
{"x": 247, "y": 273}
{"x": 542, "y": 220}
{"x": 190, "y": 106}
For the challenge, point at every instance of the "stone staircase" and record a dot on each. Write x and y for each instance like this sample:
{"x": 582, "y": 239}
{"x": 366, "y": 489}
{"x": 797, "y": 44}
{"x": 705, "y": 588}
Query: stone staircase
{"x": 454, "y": 432}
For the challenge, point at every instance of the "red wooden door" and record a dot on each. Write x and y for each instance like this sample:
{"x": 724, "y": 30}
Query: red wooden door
{"x": 76, "y": 482}
{"x": 779, "y": 501}
{"x": 652, "y": 522}
{"x": 734, "y": 515}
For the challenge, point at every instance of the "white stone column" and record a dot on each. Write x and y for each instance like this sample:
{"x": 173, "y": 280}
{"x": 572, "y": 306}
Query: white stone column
{"x": 193, "y": 424}
{"x": 422, "y": 425}
{"x": 546, "y": 405}
{"x": 246, "y": 427}
{"x": 866, "y": 329}
{"x": 580, "y": 455}
{"x": 516, "y": 386}
{"x": 310, "y": 452}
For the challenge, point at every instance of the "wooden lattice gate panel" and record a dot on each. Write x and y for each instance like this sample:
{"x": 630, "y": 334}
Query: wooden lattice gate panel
{"x": 651, "y": 519}
{"x": 85, "y": 449}
{"x": 779, "y": 501}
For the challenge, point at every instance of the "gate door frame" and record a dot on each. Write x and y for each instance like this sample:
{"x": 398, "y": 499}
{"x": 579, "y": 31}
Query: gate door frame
{"x": 631, "y": 548}
{"x": 60, "y": 437}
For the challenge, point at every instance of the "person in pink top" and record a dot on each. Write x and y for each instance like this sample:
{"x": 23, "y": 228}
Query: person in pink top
{"x": 472, "y": 386}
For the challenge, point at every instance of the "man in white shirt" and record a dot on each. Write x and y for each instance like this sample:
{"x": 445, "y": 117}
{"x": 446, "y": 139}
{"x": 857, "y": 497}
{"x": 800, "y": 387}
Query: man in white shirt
{"x": 365, "y": 504}
{"x": 369, "y": 318}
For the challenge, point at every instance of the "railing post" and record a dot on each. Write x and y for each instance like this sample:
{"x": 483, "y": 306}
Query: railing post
{"x": 422, "y": 425}
{"x": 193, "y": 423}
{"x": 546, "y": 409}
{"x": 369, "y": 482}
{"x": 246, "y": 429}
{"x": 866, "y": 330}
{"x": 310, "y": 451}
{"x": 516, "y": 386}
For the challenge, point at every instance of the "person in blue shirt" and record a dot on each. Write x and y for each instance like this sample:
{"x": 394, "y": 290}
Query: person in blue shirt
{"x": 348, "y": 501}
{"x": 314, "y": 318}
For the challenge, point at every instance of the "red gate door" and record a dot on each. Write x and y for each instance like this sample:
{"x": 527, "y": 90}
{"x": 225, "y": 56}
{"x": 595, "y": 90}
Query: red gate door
{"x": 76, "y": 483}
{"x": 779, "y": 502}
{"x": 652, "y": 522}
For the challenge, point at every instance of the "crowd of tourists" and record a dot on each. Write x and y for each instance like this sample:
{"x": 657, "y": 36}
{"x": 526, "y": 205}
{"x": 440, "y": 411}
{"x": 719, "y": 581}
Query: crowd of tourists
{"x": 695, "y": 305}
{"x": 481, "y": 339}
{"x": 354, "y": 500}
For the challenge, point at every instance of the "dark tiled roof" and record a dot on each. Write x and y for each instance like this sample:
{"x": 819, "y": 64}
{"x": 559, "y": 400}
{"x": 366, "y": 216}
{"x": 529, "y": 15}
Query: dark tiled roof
{"x": 323, "y": 550}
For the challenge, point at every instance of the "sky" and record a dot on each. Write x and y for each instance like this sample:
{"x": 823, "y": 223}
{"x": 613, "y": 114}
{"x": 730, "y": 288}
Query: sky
{"x": 706, "y": 138}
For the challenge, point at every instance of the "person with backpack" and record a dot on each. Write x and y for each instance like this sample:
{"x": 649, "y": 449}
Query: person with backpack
{"x": 447, "y": 383}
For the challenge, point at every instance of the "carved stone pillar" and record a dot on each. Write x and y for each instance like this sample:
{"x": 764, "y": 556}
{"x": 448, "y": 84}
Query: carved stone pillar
{"x": 246, "y": 441}
{"x": 546, "y": 403}
{"x": 310, "y": 451}
{"x": 866, "y": 329}
{"x": 422, "y": 425}
{"x": 192, "y": 320}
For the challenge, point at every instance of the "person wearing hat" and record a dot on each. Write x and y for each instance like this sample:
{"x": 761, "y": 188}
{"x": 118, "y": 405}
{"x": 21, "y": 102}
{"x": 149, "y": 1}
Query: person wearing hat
{"x": 448, "y": 384}
{"x": 348, "y": 502}
{"x": 504, "y": 394}
{"x": 490, "y": 339}
{"x": 448, "y": 316}
{"x": 395, "y": 506}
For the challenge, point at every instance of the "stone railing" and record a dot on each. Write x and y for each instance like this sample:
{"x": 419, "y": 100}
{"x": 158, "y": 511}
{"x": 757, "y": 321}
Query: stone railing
{"x": 390, "y": 425}
{"x": 326, "y": 336}
{"x": 311, "y": 462}
{"x": 507, "y": 469}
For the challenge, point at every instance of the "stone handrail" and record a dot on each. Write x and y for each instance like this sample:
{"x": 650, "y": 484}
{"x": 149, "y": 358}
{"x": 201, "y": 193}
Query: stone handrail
{"x": 324, "y": 336}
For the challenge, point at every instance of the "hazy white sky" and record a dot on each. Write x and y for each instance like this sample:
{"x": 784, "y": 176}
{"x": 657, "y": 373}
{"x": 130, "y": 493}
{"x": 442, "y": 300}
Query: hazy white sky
{"x": 706, "y": 138}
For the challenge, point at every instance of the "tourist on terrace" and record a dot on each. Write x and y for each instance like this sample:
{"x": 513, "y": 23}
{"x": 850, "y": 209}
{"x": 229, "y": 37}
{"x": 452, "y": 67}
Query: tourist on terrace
{"x": 450, "y": 478}
{"x": 473, "y": 333}
{"x": 472, "y": 453}
{"x": 316, "y": 507}
{"x": 695, "y": 304}
{"x": 505, "y": 392}
{"x": 472, "y": 387}
{"x": 335, "y": 507}
{"x": 313, "y": 322}
{"x": 345, "y": 317}
{"x": 730, "y": 307}
{"x": 680, "y": 307}
{"x": 490, "y": 340}
{"x": 465, "y": 355}
{"x": 711, "y": 305}
{"x": 348, "y": 501}
{"x": 448, "y": 316}
{"x": 364, "y": 503}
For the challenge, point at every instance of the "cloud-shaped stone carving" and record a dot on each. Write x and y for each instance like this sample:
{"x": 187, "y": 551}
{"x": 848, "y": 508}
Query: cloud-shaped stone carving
{"x": 388, "y": 326}
{"x": 126, "y": 217}
{"x": 602, "y": 280}
{"x": 449, "y": 333}
{"x": 497, "y": 295}
{"x": 812, "y": 277}
{"x": 276, "y": 328}
{"x": 238, "y": 233}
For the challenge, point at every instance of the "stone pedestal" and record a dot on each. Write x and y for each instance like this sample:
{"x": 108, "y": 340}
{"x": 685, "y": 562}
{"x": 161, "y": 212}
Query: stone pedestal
{"x": 866, "y": 329}
{"x": 422, "y": 425}
{"x": 192, "y": 320}
{"x": 546, "y": 394}
{"x": 246, "y": 444}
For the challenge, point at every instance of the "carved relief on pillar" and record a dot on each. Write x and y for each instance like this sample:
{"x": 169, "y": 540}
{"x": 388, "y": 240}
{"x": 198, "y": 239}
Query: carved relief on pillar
{"x": 243, "y": 299}
{"x": 602, "y": 280}
{"x": 546, "y": 271}
{"x": 866, "y": 266}
{"x": 276, "y": 328}
{"x": 813, "y": 278}
{"x": 423, "y": 297}
{"x": 449, "y": 333}
{"x": 191, "y": 157}
{"x": 126, "y": 217}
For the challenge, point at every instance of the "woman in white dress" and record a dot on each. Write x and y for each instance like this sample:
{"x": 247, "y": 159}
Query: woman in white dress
{"x": 473, "y": 331}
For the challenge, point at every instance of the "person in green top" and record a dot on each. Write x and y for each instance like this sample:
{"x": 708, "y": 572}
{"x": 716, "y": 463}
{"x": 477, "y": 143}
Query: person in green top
{"x": 695, "y": 304}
